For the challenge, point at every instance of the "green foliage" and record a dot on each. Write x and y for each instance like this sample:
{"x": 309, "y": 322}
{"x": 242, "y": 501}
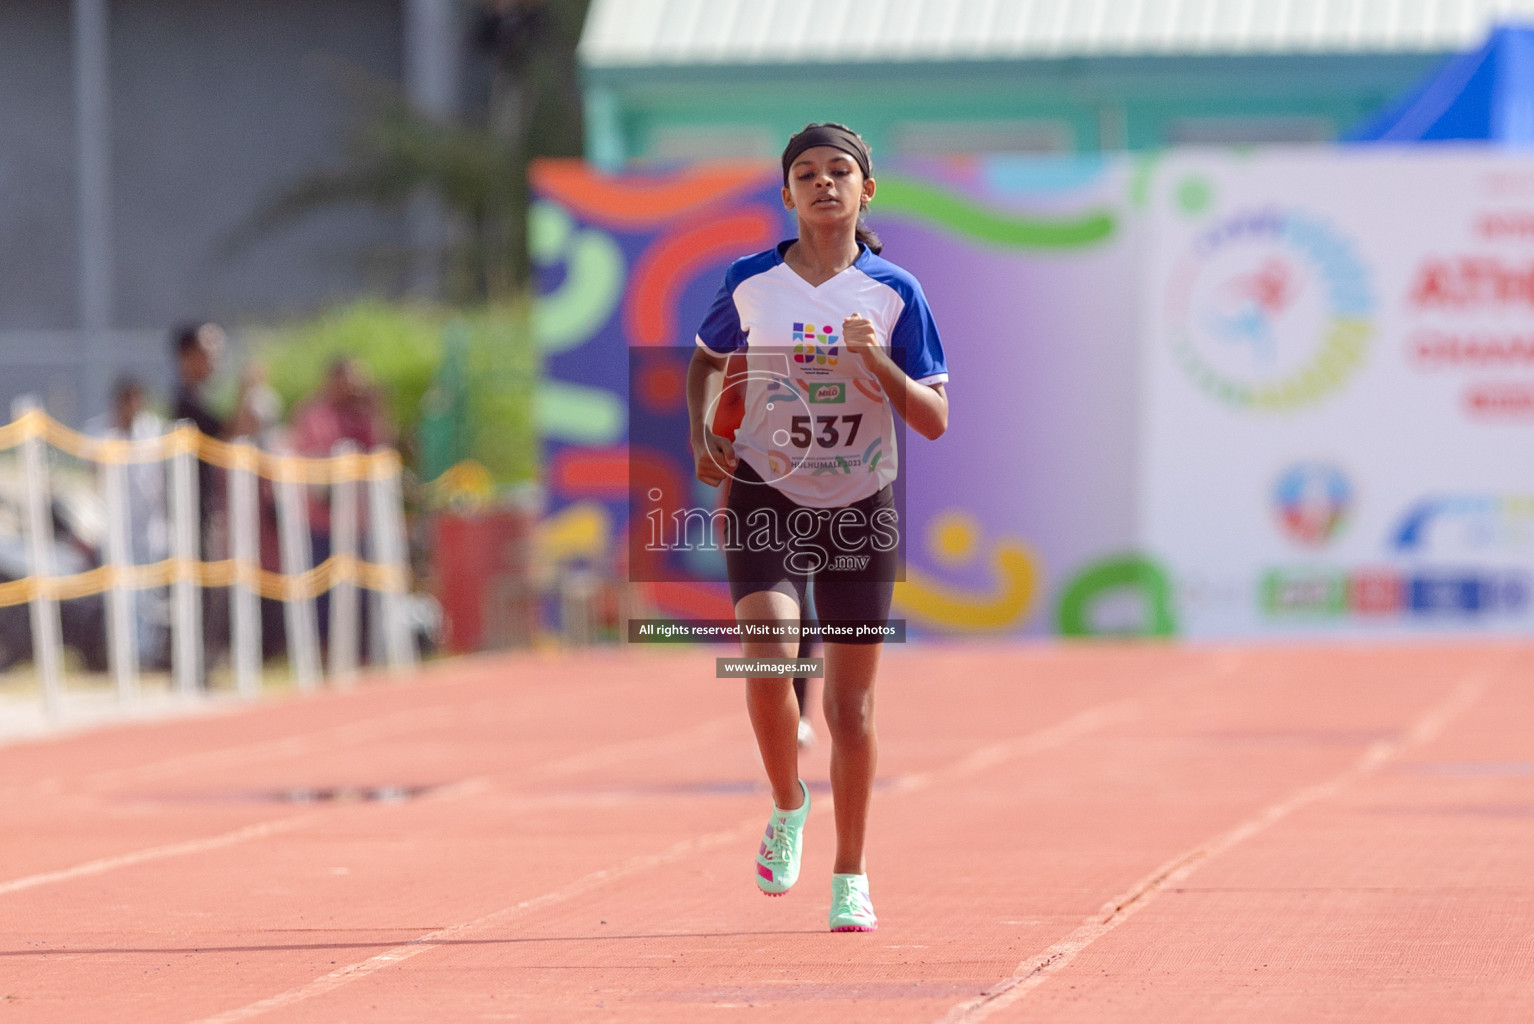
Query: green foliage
{"x": 503, "y": 376}
{"x": 402, "y": 345}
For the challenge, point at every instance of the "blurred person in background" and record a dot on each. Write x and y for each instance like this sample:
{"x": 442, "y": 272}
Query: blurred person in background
{"x": 259, "y": 417}
{"x": 198, "y": 345}
{"x": 131, "y": 419}
{"x": 348, "y": 407}
{"x": 259, "y": 421}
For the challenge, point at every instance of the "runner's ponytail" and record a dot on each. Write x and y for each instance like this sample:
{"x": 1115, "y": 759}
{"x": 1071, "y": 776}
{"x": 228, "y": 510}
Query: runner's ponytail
{"x": 867, "y": 235}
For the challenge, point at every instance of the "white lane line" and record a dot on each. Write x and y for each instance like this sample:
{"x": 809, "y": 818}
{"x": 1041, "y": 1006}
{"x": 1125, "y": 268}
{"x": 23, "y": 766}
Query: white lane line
{"x": 389, "y": 726}
{"x": 105, "y": 864}
{"x": 600, "y": 756}
{"x": 1036, "y": 970}
{"x": 432, "y": 940}
{"x": 383, "y": 726}
{"x": 650, "y": 746}
{"x": 1222, "y": 666}
{"x": 260, "y": 830}
{"x": 1047, "y": 738}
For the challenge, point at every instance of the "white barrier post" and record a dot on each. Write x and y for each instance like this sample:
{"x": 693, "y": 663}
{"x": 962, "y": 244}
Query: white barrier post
{"x": 378, "y": 644}
{"x": 186, "y": 549}
{"x": 122, "y": 620}
{"x": 387, "y": 526}
{"x": 245, "y": 594}
{"x": 377, "y": 639}
{"x": 45, "y": 610}
{"x": 297, "y": 558}
{"x": 344, "y": 606}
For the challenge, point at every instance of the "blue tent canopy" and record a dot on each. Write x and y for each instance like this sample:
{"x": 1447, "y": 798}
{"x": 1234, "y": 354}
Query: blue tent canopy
{"x": 1485, "y": 94}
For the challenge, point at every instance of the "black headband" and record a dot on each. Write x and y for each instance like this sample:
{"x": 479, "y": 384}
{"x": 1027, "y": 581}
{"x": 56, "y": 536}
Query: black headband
{"x": 836, "y": 138}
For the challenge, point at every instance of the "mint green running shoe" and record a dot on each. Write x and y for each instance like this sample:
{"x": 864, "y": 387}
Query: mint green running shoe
{"x": 851, "y": 909}
{"x": 777, "y": 862}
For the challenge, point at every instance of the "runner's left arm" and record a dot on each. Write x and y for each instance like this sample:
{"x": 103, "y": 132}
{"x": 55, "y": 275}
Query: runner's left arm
{"x": 924, "y": 407}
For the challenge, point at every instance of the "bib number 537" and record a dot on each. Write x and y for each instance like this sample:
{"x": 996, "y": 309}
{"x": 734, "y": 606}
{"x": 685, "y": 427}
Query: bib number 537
{"x": 827, "y": 434}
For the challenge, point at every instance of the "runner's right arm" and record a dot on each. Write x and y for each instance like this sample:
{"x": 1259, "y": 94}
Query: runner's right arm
{"x": 714, "y": 456}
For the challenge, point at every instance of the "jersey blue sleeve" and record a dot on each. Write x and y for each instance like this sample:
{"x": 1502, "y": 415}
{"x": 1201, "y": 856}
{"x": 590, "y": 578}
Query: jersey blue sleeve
{"x": 721, "y": 331}
{"x": 916, "y": 341}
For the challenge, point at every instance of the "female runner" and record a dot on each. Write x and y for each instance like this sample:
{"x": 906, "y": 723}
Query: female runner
{"x": 837, "y": 341}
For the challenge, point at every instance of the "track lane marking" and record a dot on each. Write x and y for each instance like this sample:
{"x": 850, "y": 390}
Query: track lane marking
{"x": 1036, "y": 970}
{"x": 381, "y": 726}
{"x": 740, "y": 833}
{"x": 596, "y": 757}
{"x": 1051, "y": 737}
{"x": 1048, "y": 738}
{"x": 260, "y": 830}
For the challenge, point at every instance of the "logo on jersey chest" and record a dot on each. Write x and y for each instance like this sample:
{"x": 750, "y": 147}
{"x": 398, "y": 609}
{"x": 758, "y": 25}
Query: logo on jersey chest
{"x": 815, "y": 348}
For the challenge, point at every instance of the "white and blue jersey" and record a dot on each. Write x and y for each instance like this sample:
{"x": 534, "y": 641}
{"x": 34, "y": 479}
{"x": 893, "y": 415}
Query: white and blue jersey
{"x": 817, "y": 424}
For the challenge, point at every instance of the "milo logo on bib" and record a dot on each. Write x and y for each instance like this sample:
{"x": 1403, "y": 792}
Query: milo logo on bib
{"x": 826, "y": 394}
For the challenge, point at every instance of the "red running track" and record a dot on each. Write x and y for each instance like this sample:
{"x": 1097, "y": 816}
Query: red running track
{"x": 1062, "y": 834}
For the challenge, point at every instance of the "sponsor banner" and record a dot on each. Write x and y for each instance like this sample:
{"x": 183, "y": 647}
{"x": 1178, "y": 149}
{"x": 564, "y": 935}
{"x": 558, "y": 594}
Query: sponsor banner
{"x": 1339, "y": 391}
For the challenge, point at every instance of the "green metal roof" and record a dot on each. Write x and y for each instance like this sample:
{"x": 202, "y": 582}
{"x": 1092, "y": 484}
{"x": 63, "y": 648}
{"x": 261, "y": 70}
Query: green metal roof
{"x": 647, "y": 33}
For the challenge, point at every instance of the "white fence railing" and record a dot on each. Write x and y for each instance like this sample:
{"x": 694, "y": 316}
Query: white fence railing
{"x": 344, "y": 572}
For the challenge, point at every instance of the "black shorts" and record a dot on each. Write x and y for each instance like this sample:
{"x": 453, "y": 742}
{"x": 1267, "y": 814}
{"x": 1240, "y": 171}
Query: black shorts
{"x": 847, "y": 553}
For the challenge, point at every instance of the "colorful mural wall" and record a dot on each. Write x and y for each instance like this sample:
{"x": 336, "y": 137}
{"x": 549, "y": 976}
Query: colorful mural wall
{"x": 1021, "y": 519}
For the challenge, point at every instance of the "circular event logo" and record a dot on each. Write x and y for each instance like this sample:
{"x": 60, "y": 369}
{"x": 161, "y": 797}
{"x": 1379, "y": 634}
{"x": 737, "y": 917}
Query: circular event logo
{"x": 1269, "y": 309}
{"x": 1313, "y": 500}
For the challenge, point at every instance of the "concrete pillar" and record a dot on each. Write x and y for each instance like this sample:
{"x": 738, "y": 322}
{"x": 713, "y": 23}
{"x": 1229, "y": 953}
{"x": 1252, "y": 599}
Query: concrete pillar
{"x": 433, "y": 36}
{"x": 93, "y": 161}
